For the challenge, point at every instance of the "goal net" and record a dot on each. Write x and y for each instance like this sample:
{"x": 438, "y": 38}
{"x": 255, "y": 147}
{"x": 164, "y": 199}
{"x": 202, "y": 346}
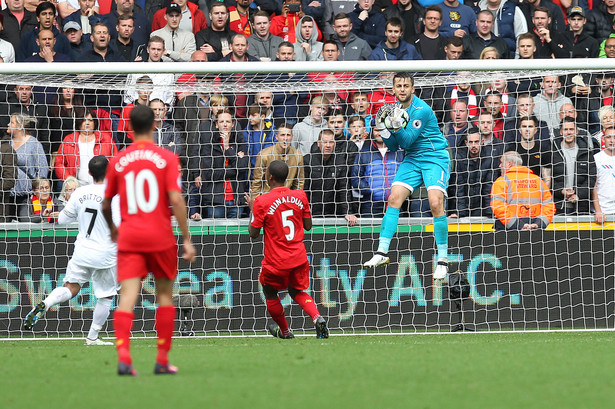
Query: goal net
{"x": 551, "y": 278}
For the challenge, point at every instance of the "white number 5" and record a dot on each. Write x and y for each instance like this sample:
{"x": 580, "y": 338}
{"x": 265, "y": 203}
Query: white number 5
{"x": 288, "y": 223}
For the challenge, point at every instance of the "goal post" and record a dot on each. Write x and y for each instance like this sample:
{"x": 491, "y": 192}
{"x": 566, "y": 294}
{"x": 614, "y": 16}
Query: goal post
{"x": 560, "y": 277}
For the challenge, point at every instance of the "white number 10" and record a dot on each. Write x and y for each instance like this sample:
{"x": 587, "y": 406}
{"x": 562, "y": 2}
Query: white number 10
{"x": 135, "y": 191}
{"x": 288, "y": 223}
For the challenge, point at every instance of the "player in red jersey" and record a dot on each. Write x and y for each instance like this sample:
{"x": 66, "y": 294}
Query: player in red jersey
{"x": 284, "y": 213}
{"x": 147, "y": 178}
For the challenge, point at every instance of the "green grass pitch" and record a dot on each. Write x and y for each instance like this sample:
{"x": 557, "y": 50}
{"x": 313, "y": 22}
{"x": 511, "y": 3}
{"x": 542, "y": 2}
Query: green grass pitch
{"x": 524, "y": 370}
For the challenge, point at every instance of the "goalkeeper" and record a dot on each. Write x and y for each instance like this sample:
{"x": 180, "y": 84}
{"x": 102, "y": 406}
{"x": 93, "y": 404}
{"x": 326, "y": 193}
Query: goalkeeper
{"x": 413, "y": 127}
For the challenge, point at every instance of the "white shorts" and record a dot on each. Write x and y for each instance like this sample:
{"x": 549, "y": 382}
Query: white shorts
{"x": 104, "y": 280}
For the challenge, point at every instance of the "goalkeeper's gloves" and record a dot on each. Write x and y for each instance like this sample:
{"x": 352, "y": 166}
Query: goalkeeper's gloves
{"x": 381, "y": 116}
{"x": 397, "y": 119}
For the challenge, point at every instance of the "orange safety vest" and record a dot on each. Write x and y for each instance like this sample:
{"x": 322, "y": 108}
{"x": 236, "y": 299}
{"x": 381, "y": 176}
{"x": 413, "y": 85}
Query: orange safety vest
{"x": 520, "y": 193}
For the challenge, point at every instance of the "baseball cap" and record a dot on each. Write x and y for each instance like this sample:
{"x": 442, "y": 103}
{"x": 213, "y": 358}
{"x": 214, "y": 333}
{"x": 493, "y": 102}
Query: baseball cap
{"x": 174, "y": 8}
{"x": 576, "y": 10}
{"x": 71, "y": 25}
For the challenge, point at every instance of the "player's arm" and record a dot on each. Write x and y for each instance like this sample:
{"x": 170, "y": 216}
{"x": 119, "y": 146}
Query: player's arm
{"x": 178, "y": 205}
{"x": 390, "y": 143}
{"x": 307, "y": 223}
{"x": 253, "y": 231}
{"x": 63, "y": 218}
{"x": 307, "y": 214}
{"x": 69, "y": 213}
{"x": 110, "y": 192}
{"x": 106, "y": 211}
{"x": 415, "y": 127}
{"x": 409, "y": 134}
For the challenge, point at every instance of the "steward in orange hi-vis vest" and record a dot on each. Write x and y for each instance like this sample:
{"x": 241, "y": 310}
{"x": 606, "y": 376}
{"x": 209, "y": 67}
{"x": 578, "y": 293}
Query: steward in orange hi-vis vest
{"x": 520, "y": 197}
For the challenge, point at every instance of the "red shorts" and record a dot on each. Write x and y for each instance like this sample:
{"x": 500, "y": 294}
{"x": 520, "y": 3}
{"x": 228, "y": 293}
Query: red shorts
{"x": 296, "y": 277}
{"x": 162, "y": 264}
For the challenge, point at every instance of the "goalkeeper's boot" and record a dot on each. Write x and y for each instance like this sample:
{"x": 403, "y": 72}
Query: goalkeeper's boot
{"x": 126, "y": 369}
{"x": 441, "y": 269}
{"x": 321, "y": 328}
{"x": 34, "y": 315}
{"x": 274, "y": 330}
{"x": 96, "y": 342}
{"x": 167, "y": 369}
{"x": 379, "y": 259}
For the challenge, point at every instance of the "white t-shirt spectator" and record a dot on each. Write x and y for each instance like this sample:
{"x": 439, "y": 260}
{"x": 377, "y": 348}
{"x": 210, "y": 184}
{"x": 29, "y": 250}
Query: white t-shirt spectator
{"x": 163, "y": 88}
{"x": 86, "y": 153}
{"x": 7, "y": 52}
{"x": 605, "y": 184}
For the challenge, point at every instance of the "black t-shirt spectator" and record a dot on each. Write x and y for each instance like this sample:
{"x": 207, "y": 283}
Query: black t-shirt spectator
{"x": 535, "y": 158}
{"x": 430, "y": 48}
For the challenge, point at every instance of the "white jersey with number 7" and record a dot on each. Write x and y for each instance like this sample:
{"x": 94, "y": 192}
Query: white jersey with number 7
{"x": 93, "y": 247}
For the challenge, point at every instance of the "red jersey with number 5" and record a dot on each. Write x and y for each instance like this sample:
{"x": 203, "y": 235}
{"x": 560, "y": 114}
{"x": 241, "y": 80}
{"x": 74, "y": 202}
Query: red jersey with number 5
{"x": 142, "y": 175}
{"x": 281, "y": 212}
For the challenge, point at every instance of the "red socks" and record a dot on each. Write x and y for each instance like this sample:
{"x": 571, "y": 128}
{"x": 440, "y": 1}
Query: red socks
{"x": 275, "y": 309}
{"x": 307, "y": 304}
{"x": 165, "y": 325}
{"x": 122, "y": 322}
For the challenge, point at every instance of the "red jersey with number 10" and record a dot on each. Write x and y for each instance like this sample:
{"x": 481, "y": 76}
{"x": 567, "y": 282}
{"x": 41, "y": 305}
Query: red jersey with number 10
{"x": 281, "y": 212}
{"x": 143, "y": 175}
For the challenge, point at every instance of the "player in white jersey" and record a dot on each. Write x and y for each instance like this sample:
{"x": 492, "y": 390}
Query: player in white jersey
{"x": 94, "y": 258}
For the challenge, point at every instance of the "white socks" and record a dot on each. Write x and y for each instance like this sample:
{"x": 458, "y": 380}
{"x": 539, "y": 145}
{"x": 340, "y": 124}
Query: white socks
{"x": 57, "y": 296}
{"x": 101, "y": 313}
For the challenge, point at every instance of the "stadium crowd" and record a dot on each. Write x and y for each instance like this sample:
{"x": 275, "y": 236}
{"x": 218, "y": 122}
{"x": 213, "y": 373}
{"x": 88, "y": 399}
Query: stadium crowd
{"x": 561, "y": 128}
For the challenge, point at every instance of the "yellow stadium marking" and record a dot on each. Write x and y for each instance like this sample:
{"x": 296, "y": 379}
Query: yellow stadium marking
{"x": 484, "y": 227}
{"x": 581, "y": 226}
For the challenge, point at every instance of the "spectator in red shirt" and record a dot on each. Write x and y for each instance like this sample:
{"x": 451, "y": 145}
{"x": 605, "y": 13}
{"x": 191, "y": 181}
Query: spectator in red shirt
{"x": 285, "y": 25}
{"x": 241, "y": 17}
{"x": 190, "y": 13}
{"x": 79, "y": 147}
{"x": 493, "y": 104}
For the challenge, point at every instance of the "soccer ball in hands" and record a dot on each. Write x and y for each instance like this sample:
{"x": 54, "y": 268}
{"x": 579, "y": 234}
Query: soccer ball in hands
{"x": 391, "y": 117}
